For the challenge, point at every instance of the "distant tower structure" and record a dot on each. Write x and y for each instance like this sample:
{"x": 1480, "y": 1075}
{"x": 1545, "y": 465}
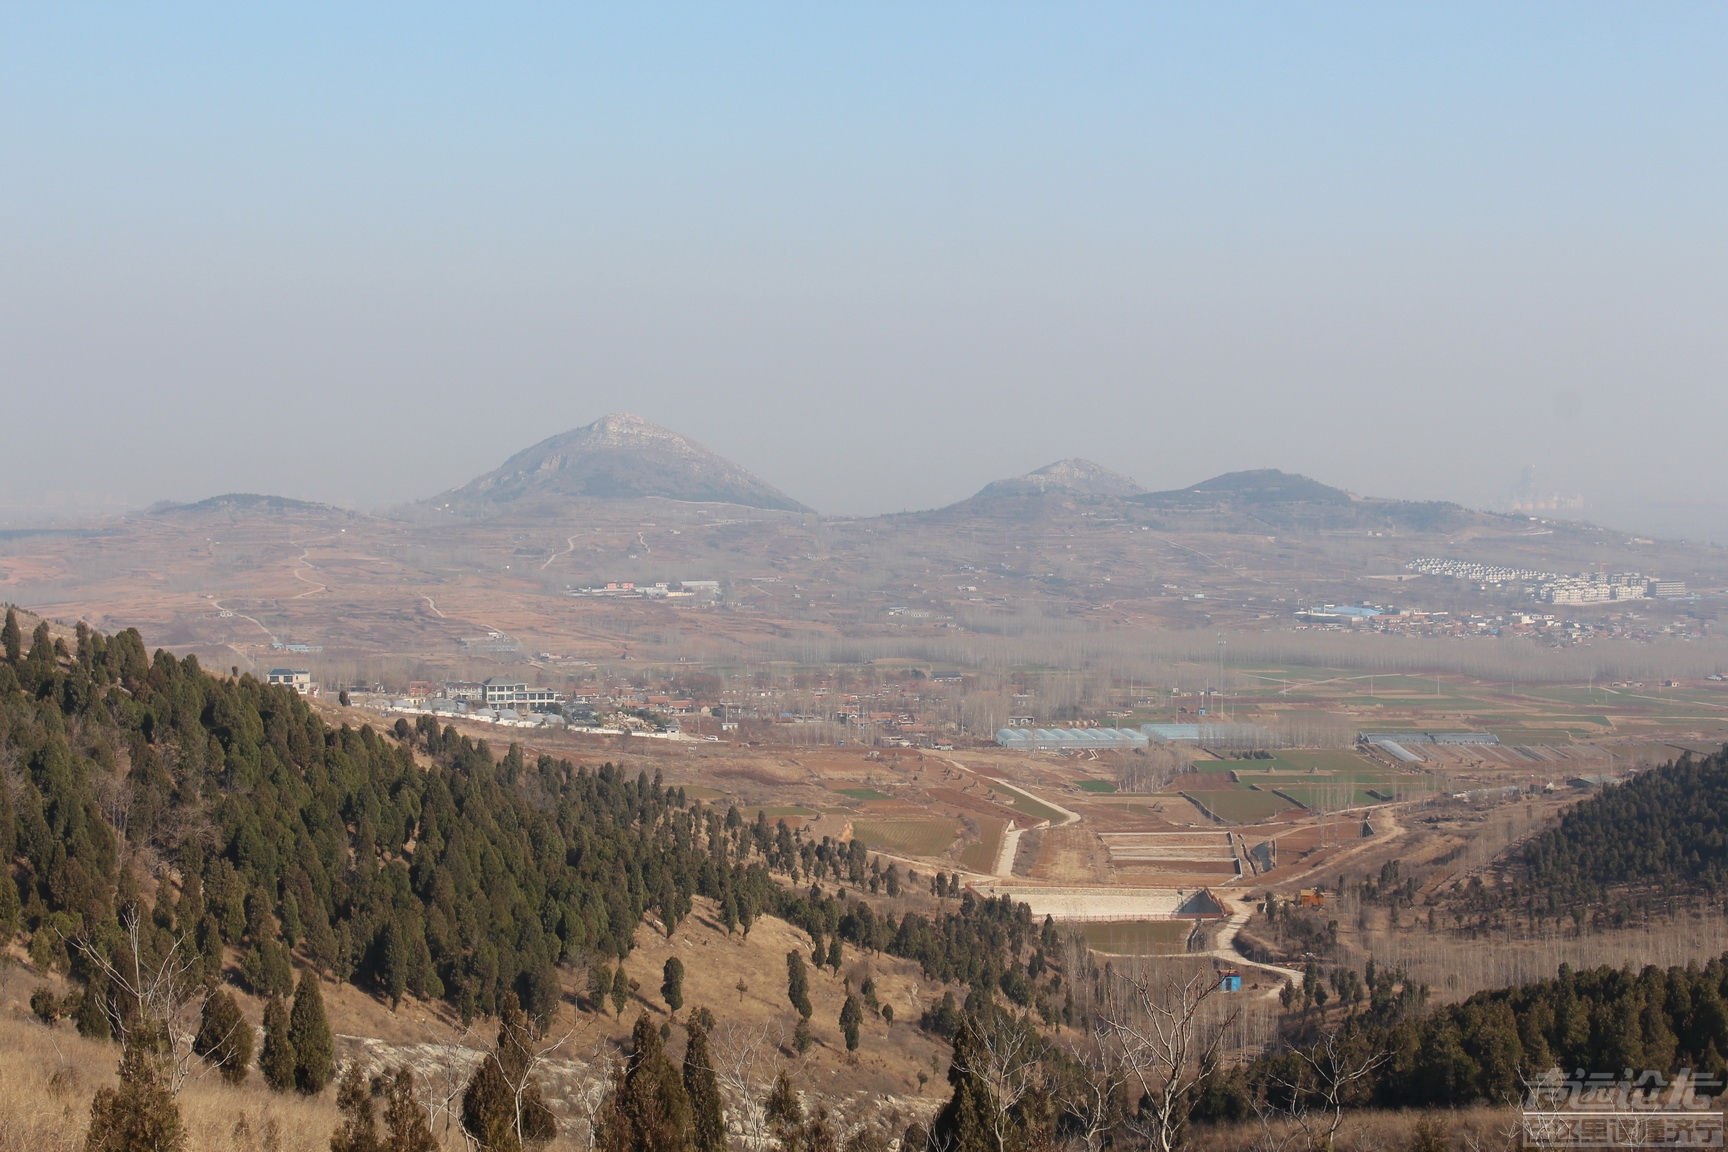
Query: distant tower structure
{"x": 1526, "y": 481}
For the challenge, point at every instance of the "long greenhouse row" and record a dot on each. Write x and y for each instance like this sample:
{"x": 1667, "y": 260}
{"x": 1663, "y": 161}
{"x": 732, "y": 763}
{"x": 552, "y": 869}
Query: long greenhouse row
{"x": 1049, "y": 739}
{"x": 1211, "y": 735}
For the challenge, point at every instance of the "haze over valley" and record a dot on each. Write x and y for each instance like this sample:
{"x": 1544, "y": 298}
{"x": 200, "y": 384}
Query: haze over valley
{"x": 863, "y": 579}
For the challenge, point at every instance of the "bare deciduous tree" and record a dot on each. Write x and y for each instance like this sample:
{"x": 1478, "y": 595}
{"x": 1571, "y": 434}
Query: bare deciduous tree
{"x": 1093, "y": 1107}
{"x": 153, "y": 995}
{"x": 1168, "y": 1040}
{"x": 1329, "y": 1075}
{"x": 1004, "y": 1054}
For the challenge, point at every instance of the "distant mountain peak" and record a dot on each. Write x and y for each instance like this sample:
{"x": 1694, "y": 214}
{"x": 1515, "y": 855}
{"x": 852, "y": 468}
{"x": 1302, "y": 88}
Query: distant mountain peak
{"x": 241, "y": 502}
{"x": 1254, "y": 486}
{"x": 621, "y": 456}
{"x": 1070, "y": 475}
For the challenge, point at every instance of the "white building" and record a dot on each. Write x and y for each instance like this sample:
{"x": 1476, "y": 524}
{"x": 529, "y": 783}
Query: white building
{"x": 505, "y": 693}
{"x": 296, "y": 678}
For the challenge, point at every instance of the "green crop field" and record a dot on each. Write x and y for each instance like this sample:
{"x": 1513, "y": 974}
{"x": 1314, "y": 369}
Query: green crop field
{"x": 1240, "y": 805}
{"x": 1138, "y": 937}
{"x": 1021, "y": 802}
{"x": 1097, "y": 786}
{"x": 1324, "y": 798}
{"x": 697, "y": 792}
{"x": 1218, "y": 767}
{"x": 863, "y": 793}
{"x": 980, "y": 856}
{"x": 1533, "y": 735}
{"x": 1328, "y": 760}
{"x": 911, "y": 837}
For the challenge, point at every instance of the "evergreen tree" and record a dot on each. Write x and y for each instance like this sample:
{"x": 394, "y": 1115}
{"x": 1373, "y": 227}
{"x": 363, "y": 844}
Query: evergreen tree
{"x": 851, "y": 1019}
{"x": 798, "y": 983}
{"x": 599, "y": 986}
{"x": 672, "y": 986}
{"x": 90, "y": 1016}
{"x": 13, "y": 637}
{"x": 707, "y": 1122}
{"x": 309, "y": 1035}
{"x": 358, "y": 1131}
{"x": 785, "y": 1114}
{"x": 620, "y": 992}
{"x": 834, "y": 960}
{"x": 502, "y": 1108}
{"x": 489, "y": 1109}
{"x": 276, "y": 1058}
{"x": 963, "y": 1125}
{"x": 405, "y": 1127}
{"x": 647, "y": 1110}
{"x": 224, "y": 1038}
{"x": 10, "y": 908}
{"x": 141, "y": 1115}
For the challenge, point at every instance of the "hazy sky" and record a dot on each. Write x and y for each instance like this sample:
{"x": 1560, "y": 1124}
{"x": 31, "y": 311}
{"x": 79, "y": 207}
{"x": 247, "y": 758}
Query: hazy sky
{"x": 879, "y": 254}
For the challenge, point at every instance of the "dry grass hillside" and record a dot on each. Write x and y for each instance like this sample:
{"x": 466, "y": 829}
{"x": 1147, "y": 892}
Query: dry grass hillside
{"x": 48, "y": 1075}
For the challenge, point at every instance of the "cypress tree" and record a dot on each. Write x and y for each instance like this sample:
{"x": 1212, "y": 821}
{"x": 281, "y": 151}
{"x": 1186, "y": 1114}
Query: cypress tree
{"x": 41, "y": 659}
{"x": 13, "y": 637}
{"x": 91, "y": 1014}
{"x": 785, "y": 1114}
{"x": 834, "y": 959}
{"x": 489, "y": 1103}
{"x": 141, "y": 1115}
{"x": 707, "y": 1122}
{"x": 599, "y": 986}
{"x": 672, "y": 986}
{"x": 851, "y": 1017}
{"x": 963, "y": 1124}
{"x": 276, "y": 1059}
{"x": 620, "y": 992}
{"x": 405, "y": 1127}
{"x": 647, "y": 1110}
{"x": 309, "y": 1033}
{"x": 10, "y": 909}
{"x": 489, "y": 1109}
{"x": 798, "y": 983}
{"x": 224, "y": 1038}
{"x": 358, "y": 1131}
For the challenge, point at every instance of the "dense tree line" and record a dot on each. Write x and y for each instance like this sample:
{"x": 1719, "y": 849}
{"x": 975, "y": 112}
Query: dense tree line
{"x": 459, "y": 874}
{"x": 1488, "y": 1047}
{"x": 1665, "y": 829}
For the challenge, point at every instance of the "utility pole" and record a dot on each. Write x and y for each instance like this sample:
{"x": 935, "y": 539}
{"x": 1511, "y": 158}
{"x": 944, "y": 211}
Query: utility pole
{"x": 1220, "y": 663}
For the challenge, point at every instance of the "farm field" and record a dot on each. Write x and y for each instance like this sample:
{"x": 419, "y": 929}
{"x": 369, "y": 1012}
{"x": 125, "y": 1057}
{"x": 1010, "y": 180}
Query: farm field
{"x": 910, "y": 837}
{"x": 1020, "y": 802}
{"x": 980, "y": 856}
{"x": 1324, "y": 797}
{"x": 1240, "y": 805}
{"x": 1138, "y": 937}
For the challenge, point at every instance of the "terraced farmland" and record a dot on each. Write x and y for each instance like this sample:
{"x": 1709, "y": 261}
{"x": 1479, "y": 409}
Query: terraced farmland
{"x": 909, "y": 837}
{"x": 1240, "y": 805}
{"x": 1138, "y": 937}
{"x": 980, "y": 856}
{"x": 1021, "y": 802}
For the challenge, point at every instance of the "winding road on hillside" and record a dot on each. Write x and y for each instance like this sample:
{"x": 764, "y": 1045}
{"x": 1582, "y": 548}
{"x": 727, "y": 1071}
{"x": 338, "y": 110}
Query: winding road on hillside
{"x": 1240, "y": 909}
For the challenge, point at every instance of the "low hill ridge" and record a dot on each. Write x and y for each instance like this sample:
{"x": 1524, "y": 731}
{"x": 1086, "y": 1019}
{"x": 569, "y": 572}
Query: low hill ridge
{"x": 620, "y": 456}
{"x": 1071, "y": 475}
{"x": 1254, "y": 486}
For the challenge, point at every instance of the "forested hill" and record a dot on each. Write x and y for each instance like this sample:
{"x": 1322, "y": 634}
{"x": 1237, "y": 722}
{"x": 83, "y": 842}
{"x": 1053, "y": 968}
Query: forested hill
{"x": 1665, "y": 830}
{"x": 290, "y": 841}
